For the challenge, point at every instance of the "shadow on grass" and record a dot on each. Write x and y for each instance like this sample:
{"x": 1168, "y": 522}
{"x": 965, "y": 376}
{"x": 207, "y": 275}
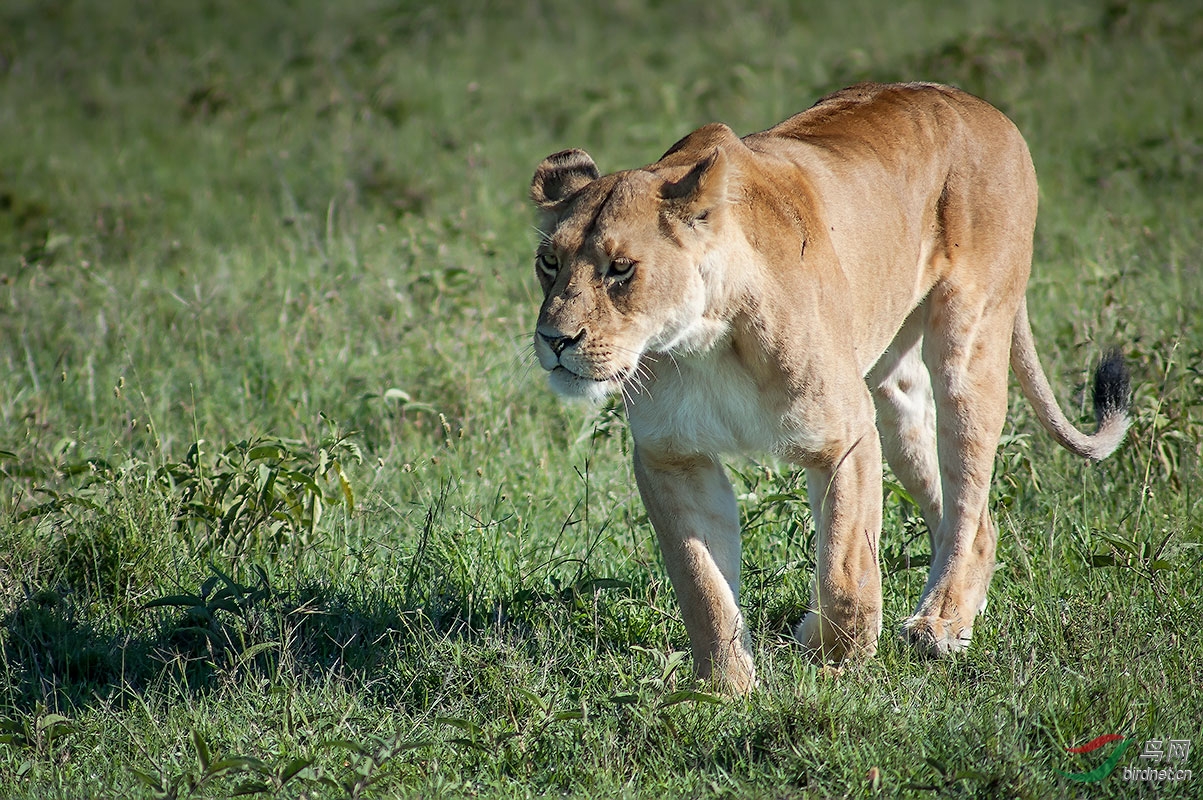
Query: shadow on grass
{"x": 52, "y": 656}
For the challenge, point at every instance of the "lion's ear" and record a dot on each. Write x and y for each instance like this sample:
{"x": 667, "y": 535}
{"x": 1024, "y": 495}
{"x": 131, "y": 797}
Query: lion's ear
{"x": 703, "y": 188}
{"x": 560, "y": 176}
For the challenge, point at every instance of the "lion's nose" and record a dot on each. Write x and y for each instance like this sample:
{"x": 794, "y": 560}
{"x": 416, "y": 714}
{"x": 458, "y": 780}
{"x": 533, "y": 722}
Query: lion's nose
{"x": 558, "y": 342}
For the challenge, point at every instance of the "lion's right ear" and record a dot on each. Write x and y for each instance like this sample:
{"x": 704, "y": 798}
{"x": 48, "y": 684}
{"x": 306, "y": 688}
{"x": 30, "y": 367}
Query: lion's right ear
{"x": 560, "y": 176}
{"x": 700, "y": 191}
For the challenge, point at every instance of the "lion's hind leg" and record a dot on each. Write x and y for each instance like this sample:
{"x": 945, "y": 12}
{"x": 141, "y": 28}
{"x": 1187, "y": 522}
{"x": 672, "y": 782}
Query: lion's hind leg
{"x": 906, "y": 418}
{"x": 966, "y": 349}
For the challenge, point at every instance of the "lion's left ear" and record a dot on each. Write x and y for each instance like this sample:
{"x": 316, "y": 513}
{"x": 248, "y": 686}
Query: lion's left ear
{"x": 560, "y": 176}
{"x": 703, "y": 189}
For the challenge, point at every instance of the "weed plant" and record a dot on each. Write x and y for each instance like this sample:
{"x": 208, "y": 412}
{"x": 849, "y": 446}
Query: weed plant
{"x": 286, "y": 508}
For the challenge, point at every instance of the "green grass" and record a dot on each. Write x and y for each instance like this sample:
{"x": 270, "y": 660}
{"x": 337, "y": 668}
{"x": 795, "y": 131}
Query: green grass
{"x": 286, "y": 507}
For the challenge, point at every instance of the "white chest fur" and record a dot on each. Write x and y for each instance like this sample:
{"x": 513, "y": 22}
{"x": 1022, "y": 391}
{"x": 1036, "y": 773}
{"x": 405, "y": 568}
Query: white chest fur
{"x": 704, "y": 403}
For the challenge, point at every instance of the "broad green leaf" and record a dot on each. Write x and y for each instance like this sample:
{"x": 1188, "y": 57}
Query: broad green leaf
{"x": 265, "y": 451}
{"x": 147, "y": 779}
{"x": 566, "y": 715}
{"x": 304, "y": 480}
{"x": 464, "y": 725}
{"x": 52, "y": 720}
{"x": 236, "y": 763}
{"x": 292, "y": 768}
{"x": 224, "y": 604}
{"x": 202, "y": 750}
{"x": 535, "y": 699}
{"x": 687, "y": 695}
{"x": 251, "y": 787}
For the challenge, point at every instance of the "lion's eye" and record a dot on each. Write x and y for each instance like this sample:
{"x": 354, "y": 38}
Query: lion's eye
{"x": 621, "y": 269}
{"x": 548, "y": 264}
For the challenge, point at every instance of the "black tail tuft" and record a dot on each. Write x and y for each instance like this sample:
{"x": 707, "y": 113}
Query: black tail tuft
{"x": 1112, "y": 388}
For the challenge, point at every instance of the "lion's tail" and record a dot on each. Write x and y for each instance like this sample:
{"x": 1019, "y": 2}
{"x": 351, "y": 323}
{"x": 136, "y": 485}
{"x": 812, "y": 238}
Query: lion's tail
{"x": 1111, "y": 396}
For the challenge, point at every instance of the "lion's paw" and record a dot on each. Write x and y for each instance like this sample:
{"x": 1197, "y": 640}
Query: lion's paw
{"x": 733, "y": 676}
{"x": 935, "y": 637}
{"x": 830, "y": 644}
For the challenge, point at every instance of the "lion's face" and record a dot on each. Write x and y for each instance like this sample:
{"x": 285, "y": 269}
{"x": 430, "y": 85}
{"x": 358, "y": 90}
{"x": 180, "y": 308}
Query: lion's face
{"x": 619, "y": 266}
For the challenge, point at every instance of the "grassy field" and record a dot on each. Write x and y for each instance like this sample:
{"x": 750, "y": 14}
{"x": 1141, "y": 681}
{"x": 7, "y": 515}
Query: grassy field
{"x": 286, "y": 508}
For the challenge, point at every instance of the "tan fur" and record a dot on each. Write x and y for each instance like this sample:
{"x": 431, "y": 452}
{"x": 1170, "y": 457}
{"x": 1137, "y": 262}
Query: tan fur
{"x": 859, "y": 268}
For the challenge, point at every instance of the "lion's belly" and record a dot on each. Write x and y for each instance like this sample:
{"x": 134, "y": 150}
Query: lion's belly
{"x": 704, "y": 404}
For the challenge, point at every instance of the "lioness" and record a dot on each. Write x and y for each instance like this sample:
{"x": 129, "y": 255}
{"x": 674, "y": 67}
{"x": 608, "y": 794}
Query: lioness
{"x": 846, "y": 284}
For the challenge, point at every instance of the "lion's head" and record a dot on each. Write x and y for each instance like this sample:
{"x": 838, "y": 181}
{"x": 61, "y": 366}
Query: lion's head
{"x": 623, "y": 262}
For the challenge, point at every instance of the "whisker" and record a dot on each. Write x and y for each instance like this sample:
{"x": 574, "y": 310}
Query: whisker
{"x": 522, "y": 363}
{"x": 523, "y": 358}
{"x": 636, "y": 381}
{"x": 673, "y": 359}
{"x": 629, "y": 389}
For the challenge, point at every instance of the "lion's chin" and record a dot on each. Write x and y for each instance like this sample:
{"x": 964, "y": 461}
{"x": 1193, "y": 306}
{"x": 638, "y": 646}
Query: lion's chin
{"x": 569, "y": 384}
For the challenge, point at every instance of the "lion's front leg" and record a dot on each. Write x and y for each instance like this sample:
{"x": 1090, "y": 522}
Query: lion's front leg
{"x": 845, "y": 500}
{"x": 693, "y": 511}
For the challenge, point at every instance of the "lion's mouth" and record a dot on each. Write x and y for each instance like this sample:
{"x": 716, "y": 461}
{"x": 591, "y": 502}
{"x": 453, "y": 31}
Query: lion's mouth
{"x": 617, "y": 377}
{"x": 572, "y": 384}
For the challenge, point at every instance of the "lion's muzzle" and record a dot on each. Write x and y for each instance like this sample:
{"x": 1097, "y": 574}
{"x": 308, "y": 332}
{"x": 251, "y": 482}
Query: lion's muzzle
{"x": 557, "y": 341}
